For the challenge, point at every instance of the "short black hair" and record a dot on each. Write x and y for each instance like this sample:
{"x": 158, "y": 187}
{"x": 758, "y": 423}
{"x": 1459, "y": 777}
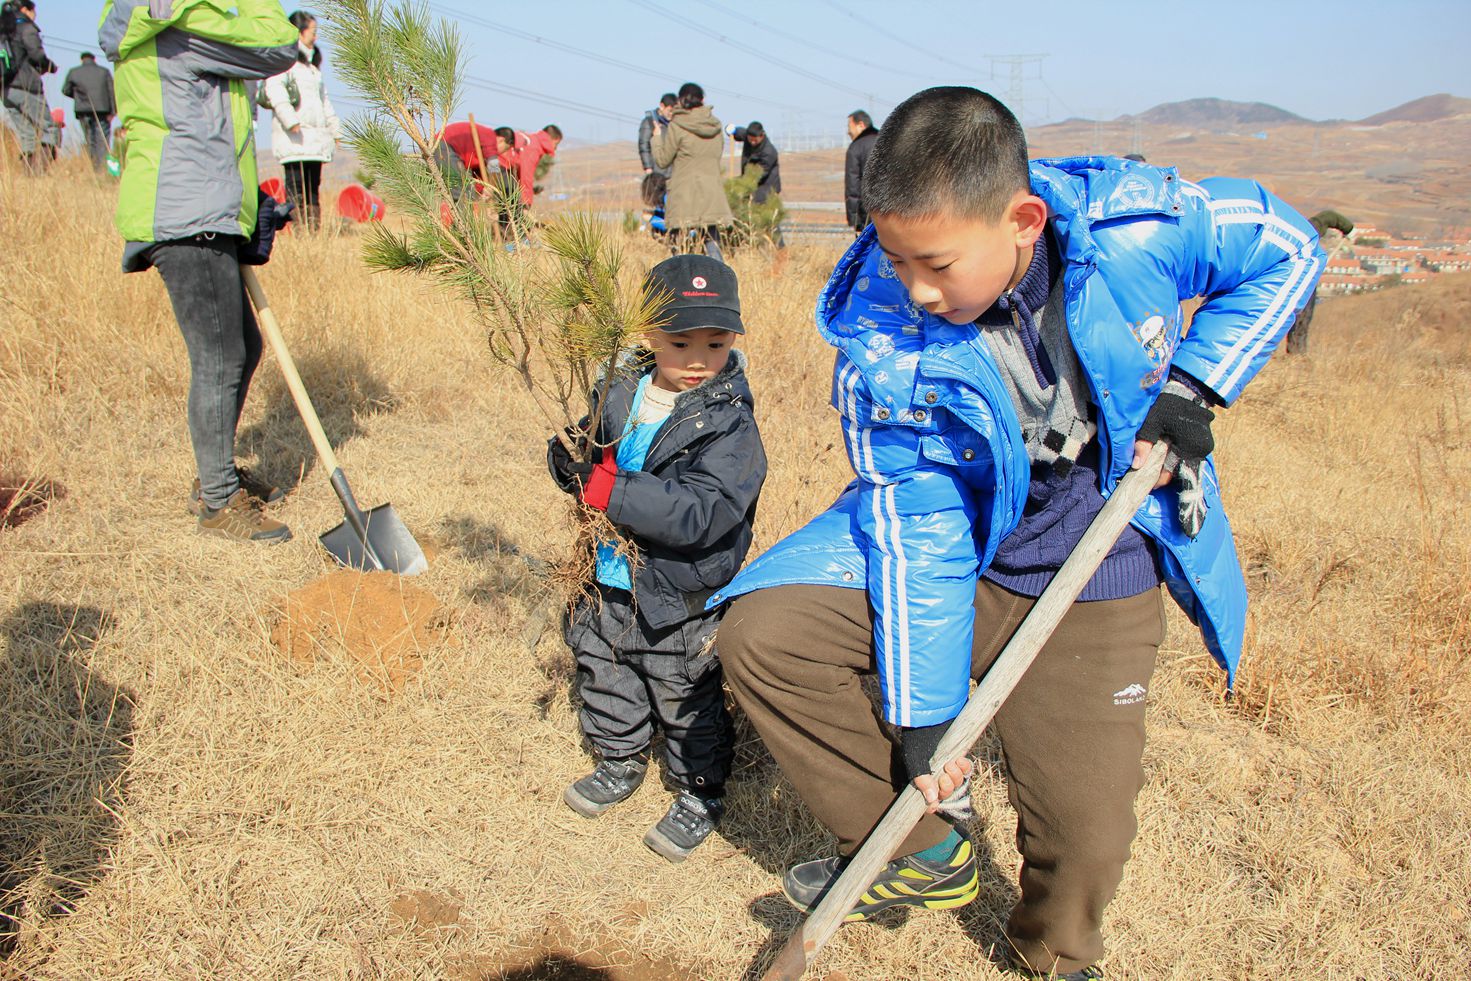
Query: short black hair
{"x": 862, "y": 118}
{"x": 1136, "y": 157}
{"x": 506, "y": 133}
{"x": 668, "y": 99}
{"x": 691, "y": 95}
{"x": 755, "y": 129}
{"x": 552, "y": 130}
{"x": 88, "y": 56}
{"x": 950, "y": 148}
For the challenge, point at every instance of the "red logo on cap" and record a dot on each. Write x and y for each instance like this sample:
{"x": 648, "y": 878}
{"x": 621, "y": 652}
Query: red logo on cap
{"x": 698, "y": 282}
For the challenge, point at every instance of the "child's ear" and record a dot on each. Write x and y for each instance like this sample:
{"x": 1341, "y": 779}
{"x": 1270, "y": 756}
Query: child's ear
{"x": 1029, "y": 217}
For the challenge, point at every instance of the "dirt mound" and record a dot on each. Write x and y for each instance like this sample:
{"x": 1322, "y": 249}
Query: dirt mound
{"x": 376, "y": 620}
{"x": 22, "y": 498}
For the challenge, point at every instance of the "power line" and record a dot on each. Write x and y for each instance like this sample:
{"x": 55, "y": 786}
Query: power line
{"x": 888, "y": 32}
{"x": 746, "y": 48}
{"x": 62, "y": 42}
{"x": 485, "y": 83}
{"x": 798, "y": 39}
{"x": 590, "y": 55}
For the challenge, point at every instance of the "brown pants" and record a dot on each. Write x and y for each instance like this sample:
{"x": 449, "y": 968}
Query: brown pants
{"x": 1072, "y": 736}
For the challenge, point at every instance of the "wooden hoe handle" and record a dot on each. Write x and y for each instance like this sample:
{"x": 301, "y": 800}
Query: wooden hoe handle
{"x": 272, "y": 329}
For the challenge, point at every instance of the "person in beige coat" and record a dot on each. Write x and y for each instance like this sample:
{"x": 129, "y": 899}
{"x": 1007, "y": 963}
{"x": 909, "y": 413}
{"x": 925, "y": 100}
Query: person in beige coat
{"x": 691, "y": 145}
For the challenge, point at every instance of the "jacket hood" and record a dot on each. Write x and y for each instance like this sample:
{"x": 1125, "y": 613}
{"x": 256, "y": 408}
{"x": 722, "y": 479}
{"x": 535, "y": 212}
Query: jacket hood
{"x": 126, "y": 24}
{"x": 1078, "y": 191}
{"x": 730, "y": 385}
{"x": 700, "y": 121}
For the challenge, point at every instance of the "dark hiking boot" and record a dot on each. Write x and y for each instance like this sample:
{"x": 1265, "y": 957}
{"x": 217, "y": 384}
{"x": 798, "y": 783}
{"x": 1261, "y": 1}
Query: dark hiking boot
{"x": 240, "y": 520}
{"x": 259, "y": 491}
{"x": 684, "y": 828}
{"x": 908, "y": 881}
{"x": 611, "y": 782}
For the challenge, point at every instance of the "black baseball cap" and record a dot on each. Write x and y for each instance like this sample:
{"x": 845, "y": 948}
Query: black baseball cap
{"x": 700, "y": 291}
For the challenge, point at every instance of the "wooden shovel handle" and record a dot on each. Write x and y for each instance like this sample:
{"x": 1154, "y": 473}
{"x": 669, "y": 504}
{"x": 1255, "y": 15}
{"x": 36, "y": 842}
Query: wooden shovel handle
{"x": 982, "y": 705}
{"x": 272, "y": 329}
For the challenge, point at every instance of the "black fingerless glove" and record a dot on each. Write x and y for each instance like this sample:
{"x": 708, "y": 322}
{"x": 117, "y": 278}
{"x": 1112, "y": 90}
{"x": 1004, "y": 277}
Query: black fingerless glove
{"x": 917, "y": 746}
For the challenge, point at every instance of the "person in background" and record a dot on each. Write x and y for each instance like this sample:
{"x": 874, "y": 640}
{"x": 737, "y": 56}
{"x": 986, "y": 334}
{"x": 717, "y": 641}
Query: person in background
{"x": 861, "y": 134}
{"x": 1136, "y": 157}
{"x": 654, "y": 120}
{"x": 304, "y": 128}
{"x": 183, "y": 84}
{"x": 503, "y": 184}
{"x": 691, "y": 146}
{"x": 24, "y": 95}
{"x": 519, "y": 155}
{"x": 758, "y": 150}
{"x": 89, "y": 86}
{"x": 1333, "y": 231}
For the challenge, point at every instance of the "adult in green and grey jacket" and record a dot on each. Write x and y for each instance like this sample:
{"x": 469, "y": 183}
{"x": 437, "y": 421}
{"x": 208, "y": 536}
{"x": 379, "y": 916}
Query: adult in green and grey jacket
{"x": 185, "y": 84}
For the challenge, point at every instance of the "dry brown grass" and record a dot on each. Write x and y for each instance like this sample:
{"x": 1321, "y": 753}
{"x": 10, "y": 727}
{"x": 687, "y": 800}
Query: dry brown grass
{"x": 178, "y": 800}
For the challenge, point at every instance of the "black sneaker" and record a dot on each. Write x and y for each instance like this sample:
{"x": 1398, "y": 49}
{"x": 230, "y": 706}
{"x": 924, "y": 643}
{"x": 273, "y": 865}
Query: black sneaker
{"x": 610, "y": 782}
{"x": 907, "y": 881}
{"x": 258, "y": 491}
{"x": 687, "y": 824}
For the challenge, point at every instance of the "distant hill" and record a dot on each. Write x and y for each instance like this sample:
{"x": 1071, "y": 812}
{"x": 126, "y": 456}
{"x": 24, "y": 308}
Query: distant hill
{"x": 1215, "y": 114}
{"x": 1423, "y": 110}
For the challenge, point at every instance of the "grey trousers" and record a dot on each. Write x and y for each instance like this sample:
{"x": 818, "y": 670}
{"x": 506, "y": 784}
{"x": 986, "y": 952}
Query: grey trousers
{"x": 32, "y": 120}
{"x": 631, "y": 679}
{"x": 1072, "y": 738}
{"x": 214, "y": 315}
{"x": 96, "y": 129}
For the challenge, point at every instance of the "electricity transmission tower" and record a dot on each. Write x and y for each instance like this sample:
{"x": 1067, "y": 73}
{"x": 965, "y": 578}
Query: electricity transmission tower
{"x": 1015, "y": 66}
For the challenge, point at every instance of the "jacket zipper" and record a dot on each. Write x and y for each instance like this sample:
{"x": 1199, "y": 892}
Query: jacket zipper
{"x": 665, "y": 434}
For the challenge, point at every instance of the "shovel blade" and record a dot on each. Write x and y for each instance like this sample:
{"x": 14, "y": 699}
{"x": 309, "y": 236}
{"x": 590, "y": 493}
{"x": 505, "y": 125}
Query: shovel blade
{"x": 391, "y": 540}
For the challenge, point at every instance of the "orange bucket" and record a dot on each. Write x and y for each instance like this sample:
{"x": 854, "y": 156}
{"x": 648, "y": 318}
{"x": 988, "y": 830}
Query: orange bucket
{"x": 357, "y": 203}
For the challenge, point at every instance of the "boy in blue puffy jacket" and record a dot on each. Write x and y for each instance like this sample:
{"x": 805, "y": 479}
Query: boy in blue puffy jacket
{"x": 1010, "y": 341}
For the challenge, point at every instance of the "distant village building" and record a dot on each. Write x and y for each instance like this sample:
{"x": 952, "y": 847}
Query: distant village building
{"x": 1344, "y": 267}
{"x": 1385, "y": 262}
{"x": 1334, "y": 285}
{"x": 1444, "y": 262}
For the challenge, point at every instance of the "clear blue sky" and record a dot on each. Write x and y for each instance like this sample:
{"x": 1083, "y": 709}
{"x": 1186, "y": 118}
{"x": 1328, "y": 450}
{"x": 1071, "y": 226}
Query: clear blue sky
{"x": 1320, "y": 59}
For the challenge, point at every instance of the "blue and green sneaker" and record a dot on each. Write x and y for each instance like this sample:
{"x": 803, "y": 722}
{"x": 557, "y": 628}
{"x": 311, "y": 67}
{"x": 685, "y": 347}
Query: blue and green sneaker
{"x": 944, "y": 882}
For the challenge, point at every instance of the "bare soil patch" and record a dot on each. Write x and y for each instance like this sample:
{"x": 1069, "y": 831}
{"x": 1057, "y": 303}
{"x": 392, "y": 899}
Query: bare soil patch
{"x": 374, "y": 620}
{"x": 557, "y": 952}
{"x": 22, "y": 498}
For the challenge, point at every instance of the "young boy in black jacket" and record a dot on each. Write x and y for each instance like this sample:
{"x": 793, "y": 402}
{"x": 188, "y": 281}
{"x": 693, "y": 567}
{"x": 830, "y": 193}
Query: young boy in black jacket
{"x": 680, "y": 483}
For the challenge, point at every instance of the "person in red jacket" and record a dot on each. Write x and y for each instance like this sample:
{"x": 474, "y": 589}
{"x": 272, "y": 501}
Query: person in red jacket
{"x": 523, "y": 152}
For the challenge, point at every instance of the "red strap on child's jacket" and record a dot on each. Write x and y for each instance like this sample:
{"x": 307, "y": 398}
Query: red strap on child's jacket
{"x": 599, "y": 486}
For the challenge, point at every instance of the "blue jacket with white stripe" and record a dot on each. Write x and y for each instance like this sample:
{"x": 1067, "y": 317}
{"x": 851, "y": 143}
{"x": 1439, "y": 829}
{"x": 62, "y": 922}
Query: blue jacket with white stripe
{"x": 942, "y": 469}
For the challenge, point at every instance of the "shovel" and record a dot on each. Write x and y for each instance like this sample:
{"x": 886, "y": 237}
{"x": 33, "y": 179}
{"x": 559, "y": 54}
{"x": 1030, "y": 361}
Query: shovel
{"x": 372, "y": 540}
{"x": 802, "y": 947}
